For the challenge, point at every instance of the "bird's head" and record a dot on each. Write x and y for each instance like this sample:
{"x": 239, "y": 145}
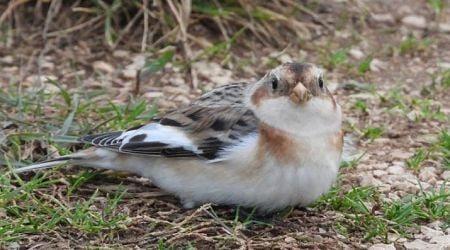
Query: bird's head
{"x": 294, "y": 97}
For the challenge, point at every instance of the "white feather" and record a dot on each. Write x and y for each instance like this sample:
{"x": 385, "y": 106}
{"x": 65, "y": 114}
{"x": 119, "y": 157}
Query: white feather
{"x": 156, "y": 132}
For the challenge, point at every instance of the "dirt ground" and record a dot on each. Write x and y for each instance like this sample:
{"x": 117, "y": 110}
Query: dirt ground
{"x": 382, "y": 95}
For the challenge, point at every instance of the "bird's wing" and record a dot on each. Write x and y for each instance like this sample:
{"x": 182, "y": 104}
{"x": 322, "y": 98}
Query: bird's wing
{"x": 217, "y": 120}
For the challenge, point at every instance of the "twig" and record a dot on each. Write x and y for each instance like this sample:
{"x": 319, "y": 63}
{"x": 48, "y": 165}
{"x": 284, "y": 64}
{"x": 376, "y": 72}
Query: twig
{"x": 55, "y": 6}
{"x": 219, "y": 23}
{"x": 138, "y": 83}
{"x": 145, "y": 35}
{"x": 182, "y": 16}
{"x": 127, "y": 28}
{"x": 12, "y": 5}
{"x": 308, "y": 12}
{"x": 75, "y": 28}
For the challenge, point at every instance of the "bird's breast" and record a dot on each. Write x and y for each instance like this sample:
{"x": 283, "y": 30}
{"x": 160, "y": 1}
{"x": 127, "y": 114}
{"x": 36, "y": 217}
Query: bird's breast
{"x": 287, "y": 149}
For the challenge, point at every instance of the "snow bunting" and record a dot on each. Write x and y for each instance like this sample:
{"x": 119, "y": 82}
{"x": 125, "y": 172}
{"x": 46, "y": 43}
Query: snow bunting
{"x": 270, "y": 144}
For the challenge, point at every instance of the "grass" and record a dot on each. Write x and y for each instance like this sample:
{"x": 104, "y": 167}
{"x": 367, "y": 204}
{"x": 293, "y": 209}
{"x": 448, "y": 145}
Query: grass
{"x": 334, "y": 59}
{"x": 31, "y": 212}
{"x": 413, "y": 45}
{"x": 360, "y": 105}
{"x": 365, "y": 212}
{"x": 445, "y": 78}
{"x": 443, "y": 148}
{"x": 415, "y": 162}
{"x": 27, "y": 206}
{"x": 436, "y": 5}
{"x": 440, "y": 150}
{"x": 373, "y": 133}
{"x": 364, "y": 65}
{"x": 416, "y": 108}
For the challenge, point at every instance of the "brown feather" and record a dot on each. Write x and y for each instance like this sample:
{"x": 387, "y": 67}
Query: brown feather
{"x": 277, "y": 143}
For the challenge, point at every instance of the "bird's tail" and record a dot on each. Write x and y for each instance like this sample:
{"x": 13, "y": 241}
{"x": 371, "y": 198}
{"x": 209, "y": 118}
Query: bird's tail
{"x": 76, "y": 157}
{"x": 45, "y": 164}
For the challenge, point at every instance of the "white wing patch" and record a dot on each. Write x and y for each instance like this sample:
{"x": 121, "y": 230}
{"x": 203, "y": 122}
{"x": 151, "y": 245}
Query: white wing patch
{"x": 239, "y": 151}
{"x": 157, "y": 133}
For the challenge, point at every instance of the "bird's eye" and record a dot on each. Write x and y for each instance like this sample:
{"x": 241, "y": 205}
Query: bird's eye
{"x": 321, "y": 82}
{"x": 274, "y": 83}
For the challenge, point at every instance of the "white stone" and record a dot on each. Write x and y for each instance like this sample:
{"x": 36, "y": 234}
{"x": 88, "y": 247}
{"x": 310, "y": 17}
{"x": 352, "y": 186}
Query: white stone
{"x": 366, "y": 179}
{"x": 376, "y": 65}
{"x": 7, "y": 59}
{"x": 393, "y": 196}
{"x": 415, "y": 21}
{"x": 393, "y": 237}
{"x": 150, "y": 95}
{"x": 418, "y": 244}
{"x": 381, "y": 246}
{"x": 428, "y": 174}
{"x": 129, "y": 73}
{"x": 385, "y": 188}
{"x": 405, "y": 186}
{"x": 429, "y": 232}
{"x": 437, "y": 224}
{"x": 103, "y": 66}
{"x": 413, "y": 115}
{"x": 426, "y": 186}
{"x": 404, "y": 9}
{"x": 121, "y": 54}
{"x": 356, "y": 53}
{"x": 285, "y": 58}
{"x": 379, "y": 173}
{"x": 182, "y": 99}
{"x": 443, "y": 241}
{"x": 446, "y": 175}
{"x": 395, "y": 170}
{"x": 214, "y": 72}
{"x": 289, "y": 239}
{"x": 444, "y": 65}
{"x": 444, "y": 27}
{"x": 50, "y": 88}
{"x": 138, "y": 62}
{"x": 400, "y": 154}
{"x": 383, "y": 18}
{"x": 332, "y": 86}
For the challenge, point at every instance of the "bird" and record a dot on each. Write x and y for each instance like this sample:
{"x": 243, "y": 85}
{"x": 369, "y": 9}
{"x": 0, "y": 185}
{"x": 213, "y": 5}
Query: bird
{"x": 269, "y": 144}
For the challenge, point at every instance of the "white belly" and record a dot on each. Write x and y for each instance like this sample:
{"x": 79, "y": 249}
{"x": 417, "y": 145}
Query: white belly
{"x": 269, "y": 187}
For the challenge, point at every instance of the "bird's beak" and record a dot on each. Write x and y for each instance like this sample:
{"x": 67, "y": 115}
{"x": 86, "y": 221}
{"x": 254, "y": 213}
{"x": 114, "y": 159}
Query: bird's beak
{"x": 300, "y": 94}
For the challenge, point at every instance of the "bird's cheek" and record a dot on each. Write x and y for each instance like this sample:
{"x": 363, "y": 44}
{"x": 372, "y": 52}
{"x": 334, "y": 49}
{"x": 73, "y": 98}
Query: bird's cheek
{"x": 259, "y": 95}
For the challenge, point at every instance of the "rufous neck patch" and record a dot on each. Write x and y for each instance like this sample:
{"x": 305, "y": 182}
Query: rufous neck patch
{"x": 277, "y": 143}
{"x": 259, "y": 94}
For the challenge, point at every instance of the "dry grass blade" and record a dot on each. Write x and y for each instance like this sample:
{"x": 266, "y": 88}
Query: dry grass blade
{"x": 53, "y": 10}
{"x": 145, "y": 33}
{"x": 11, "y": 7}
{"x": 182, "y": 14}
{"x": 75, "y": 28}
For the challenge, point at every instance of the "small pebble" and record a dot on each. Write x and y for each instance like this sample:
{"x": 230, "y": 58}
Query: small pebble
{"x": 381, "y": 246}
{"x": 415, "y": 21}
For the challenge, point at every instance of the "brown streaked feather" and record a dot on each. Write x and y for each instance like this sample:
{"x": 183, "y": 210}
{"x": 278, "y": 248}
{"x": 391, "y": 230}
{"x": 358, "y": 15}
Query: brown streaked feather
{"x": 219, "y": 113}
{"x": 216, "y": 120}
{"x": 277, "y": 143}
